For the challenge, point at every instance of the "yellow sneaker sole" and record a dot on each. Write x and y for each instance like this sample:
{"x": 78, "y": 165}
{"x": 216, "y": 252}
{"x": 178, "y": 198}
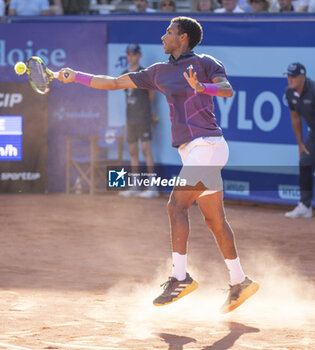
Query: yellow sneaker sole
{"x": 189, "y": 289}
{"x": 246, "y": 293}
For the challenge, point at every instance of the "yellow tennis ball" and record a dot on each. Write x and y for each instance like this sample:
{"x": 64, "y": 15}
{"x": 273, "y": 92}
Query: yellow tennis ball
{"x": 20, "y": 68}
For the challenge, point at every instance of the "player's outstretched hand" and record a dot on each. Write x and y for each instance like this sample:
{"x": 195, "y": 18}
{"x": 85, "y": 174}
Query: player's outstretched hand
{"x": 66, "y": 75}
{"x": 193, "y": 81}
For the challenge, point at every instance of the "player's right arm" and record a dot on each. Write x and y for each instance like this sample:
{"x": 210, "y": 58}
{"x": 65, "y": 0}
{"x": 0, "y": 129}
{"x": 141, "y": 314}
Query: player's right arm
{"x": 297, "y": 128}
{"x": 104, "y": 82}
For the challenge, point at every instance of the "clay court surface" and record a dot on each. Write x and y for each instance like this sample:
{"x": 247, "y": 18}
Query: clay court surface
{"x": 80, "y": 272}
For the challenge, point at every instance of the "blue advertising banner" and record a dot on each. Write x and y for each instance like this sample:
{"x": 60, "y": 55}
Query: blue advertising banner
{"x": 11, "y": 137}
{"x": 256, "y": 109}
{"x": 72, "y": 109}
{"x": 243, "y": 30}
{"x": 256, "y": 120}
{"x": 255, "y": 49}
{"x": 23, "y": 139}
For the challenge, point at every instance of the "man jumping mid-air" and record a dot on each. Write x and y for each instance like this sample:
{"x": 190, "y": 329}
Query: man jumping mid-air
{"x": 189, "y": 82}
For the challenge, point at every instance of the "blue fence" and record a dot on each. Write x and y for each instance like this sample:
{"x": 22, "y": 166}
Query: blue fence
{"x": 256, "y": 122}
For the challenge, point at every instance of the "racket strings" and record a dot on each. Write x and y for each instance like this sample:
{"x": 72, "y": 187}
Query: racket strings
{"x": 38, "y": 76}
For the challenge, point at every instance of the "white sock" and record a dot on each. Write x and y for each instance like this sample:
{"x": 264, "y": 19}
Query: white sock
{"x": 235, "y": 269}
{"x": 179, "y": 266}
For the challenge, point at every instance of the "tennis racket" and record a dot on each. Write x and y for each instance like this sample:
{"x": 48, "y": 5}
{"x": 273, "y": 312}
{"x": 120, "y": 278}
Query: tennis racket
{"x": 39, "y": 75}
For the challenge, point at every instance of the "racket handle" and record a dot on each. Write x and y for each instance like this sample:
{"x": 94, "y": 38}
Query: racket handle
{"x": 66, "y": 74}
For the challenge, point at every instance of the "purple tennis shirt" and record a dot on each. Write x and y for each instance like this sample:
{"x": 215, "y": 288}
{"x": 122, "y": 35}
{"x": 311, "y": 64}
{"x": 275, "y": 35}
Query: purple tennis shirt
{"x": 191, "y": 115}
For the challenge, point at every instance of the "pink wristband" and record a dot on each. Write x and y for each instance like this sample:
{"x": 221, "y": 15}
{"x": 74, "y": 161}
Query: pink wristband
{"x": 83, "y": 78}
{"x": 210, "y": 89}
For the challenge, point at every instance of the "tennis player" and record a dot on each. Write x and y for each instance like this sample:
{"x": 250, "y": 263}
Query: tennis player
{"x": 189, "y": 82}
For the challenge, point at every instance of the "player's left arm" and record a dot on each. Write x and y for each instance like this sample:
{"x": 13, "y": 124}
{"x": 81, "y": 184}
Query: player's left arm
{"x": 219, "y": 85}
{"x": 224, "y": 87}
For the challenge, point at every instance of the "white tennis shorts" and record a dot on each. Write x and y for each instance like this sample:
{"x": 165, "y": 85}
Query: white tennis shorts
{"x": 203, "y": 159}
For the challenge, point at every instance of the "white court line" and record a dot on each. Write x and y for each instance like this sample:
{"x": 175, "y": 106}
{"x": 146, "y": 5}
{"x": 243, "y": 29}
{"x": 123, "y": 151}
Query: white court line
{"x": 81, "y": 346}
{"x": 13, "y": 346}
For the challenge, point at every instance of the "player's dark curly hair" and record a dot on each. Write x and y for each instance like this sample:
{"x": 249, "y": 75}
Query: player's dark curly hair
{"x": 191, "y": 27}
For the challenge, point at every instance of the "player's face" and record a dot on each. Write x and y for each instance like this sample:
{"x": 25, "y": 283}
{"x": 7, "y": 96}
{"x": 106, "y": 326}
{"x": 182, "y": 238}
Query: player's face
{"x": 296, "y": 82}
{"x": 171, "y": 39}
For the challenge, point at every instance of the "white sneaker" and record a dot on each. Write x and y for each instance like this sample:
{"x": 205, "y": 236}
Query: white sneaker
{"x": 149, "y": 194}
{"x": 301, "y": 211}
{"x": 128, "y": 193}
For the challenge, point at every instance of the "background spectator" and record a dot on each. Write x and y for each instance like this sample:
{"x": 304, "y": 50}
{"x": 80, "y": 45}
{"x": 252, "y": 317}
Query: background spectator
{"x": 76, "y": 7}
{"x": 29, "y": 8}
{"x": 139, "y": 119}
{"x": 290, "y": 5}
{"x": 56, "y": 7}
{"x": 300, "y": 95}
{"x": 141, "y": 6}
{"x": 300, "y": 5}
{"x": 168, "y": 6}
{"x": 260, "y": 5}
{"x": 204, "y": 5}
{"x": 103, "y": 2}
{"x": 229, "y": 6}
{"x": 311, "y": 6}
{"x": 7, "y": 4}
{"x": 2, "y": 8}
{"x": 285, "y": 6}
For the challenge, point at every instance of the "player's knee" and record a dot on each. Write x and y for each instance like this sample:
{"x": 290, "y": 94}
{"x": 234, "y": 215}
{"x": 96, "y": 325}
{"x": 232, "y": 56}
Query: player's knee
{"x": 175, "y": 206}
{"x": 216, "y": 224}
{"x": 171, "y": 207}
